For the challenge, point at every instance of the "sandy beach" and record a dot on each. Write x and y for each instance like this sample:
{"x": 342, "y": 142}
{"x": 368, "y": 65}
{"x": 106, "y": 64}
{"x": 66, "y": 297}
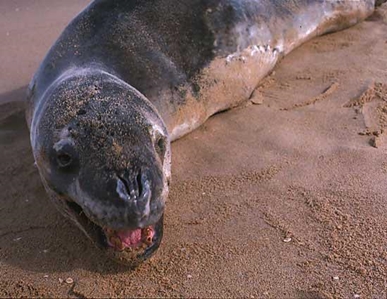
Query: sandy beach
{"x": 283, "y": 197}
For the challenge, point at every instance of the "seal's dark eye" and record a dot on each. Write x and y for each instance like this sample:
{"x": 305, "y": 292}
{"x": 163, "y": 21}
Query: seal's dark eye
{"x": 64, "y": 159}
{"x": 160, "y": 147}
{"x": 64, "y": 156}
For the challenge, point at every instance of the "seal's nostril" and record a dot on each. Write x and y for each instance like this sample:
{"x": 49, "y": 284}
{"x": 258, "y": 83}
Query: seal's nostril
{"x": 139, "y": 183}
{"x": 125, "y": 183}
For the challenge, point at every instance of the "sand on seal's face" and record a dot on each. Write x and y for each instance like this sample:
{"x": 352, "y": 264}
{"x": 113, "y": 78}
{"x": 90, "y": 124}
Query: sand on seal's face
{"x": 243, "y": 183}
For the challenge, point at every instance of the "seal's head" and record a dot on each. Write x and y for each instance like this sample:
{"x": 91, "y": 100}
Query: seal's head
{"x": 103, "y": 153}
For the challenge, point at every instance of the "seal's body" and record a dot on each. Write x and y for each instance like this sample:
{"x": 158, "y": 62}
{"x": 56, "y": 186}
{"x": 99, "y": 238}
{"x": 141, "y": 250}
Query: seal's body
{"x": 128, "y": 77}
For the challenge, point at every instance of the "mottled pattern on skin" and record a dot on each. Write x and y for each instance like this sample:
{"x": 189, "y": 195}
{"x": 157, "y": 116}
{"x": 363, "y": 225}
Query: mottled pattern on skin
{"x": 128, "y": 77}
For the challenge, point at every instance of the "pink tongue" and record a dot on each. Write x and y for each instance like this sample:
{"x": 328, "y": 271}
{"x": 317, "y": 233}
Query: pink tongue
{"x": 130, "y": 237}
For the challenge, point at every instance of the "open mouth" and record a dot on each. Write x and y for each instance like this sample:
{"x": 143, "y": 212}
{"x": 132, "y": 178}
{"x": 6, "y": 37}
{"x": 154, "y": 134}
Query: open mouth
{"x": 132, "y": 239}
{"x": 129, "y": 246}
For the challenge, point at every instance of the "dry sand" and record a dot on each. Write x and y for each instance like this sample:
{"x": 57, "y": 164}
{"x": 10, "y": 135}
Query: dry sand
{"x": 286, "y": 199}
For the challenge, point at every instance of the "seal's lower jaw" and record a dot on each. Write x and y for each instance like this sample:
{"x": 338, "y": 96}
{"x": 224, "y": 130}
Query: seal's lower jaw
{"x": 128, "y": 247}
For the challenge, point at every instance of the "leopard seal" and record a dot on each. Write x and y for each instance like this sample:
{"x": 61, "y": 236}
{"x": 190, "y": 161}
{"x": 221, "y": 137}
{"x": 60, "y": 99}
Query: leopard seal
{"x": 126, "y": 78}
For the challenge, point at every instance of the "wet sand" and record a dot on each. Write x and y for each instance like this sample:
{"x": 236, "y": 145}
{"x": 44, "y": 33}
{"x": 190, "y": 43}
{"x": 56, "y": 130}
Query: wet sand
{"x": 284, "y": 199}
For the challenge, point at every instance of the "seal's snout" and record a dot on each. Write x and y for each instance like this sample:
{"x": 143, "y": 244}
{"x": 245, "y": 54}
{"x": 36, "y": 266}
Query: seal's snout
{"x": 136, "y": 191}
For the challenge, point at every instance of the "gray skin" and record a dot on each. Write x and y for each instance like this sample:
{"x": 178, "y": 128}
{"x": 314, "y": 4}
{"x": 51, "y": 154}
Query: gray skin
{"x": 126, "y": 78}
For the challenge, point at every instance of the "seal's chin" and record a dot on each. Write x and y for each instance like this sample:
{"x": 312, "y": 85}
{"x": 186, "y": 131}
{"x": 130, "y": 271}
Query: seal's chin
{"x": 128, "y": 246}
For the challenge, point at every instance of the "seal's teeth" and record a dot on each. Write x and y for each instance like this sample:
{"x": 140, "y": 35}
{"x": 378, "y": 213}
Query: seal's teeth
{"x": 148, "y": 235}
{"x": 148, "y": 240}
{"x": 109, "y": 231}
{"x": 117, "y": 243}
